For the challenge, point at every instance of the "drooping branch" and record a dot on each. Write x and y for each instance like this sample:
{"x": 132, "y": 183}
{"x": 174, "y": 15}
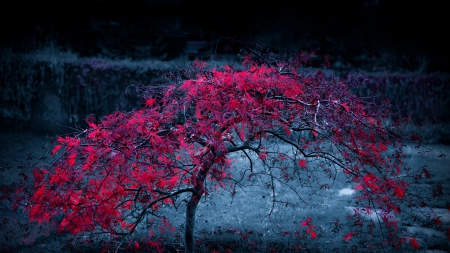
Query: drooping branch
{"x": 167, "y": 195}
{"x": 324, "y": 155}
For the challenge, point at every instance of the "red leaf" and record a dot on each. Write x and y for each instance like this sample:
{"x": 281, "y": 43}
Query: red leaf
{"x": 413, "y": 242}
{"x": 427, "y": 173}
{"x": 262, "y": 155}
{"x": 55, "y": 150}
{"x": 399, "y": 193}
{"x": 72, "y": 142}
{"x": 345, "y": 107}
{"x": 313, "y": 234}
{"x": 71, "y": 159}
{"x": 302, "y": 163}
{"x": 397, "y": 209}
{"x": 37, "y": 174}
{"x": 92, "y": 125}
{"x": 241, "y": 134}
{"x": 39, "y": 194}
{"x": 149, "y": 102}
{"x": 349, "y": 236}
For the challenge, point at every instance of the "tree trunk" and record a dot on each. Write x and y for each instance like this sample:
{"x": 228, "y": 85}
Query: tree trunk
{"x": 190, "y": 222}
{"x": 197, "y": 193}
{"x": 198, "y": 190}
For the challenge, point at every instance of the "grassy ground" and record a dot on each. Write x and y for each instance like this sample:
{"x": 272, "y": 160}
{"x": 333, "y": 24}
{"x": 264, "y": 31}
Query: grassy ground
{"x": 240, "y": 223}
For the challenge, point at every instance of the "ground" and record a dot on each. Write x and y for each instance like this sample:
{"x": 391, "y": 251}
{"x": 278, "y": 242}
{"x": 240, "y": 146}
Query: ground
{"x": 242, "y": 219}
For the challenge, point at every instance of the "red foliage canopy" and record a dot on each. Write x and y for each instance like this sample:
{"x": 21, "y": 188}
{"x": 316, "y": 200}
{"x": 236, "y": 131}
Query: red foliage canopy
{"x": 114, "y": 173}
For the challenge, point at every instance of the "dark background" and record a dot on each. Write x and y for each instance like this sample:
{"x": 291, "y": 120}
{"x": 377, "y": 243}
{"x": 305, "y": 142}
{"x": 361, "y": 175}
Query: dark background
{"x": 400, "y": 46}
{"x": 343, "y": 29}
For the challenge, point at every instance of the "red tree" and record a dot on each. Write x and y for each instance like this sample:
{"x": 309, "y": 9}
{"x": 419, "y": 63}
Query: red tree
{"x": 112, "y": 175}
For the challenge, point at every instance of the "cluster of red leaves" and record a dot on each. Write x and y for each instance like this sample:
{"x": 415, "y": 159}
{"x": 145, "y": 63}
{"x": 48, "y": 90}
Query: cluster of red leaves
{"x": 111, "y": 175}
{"x": 309, "y": 227}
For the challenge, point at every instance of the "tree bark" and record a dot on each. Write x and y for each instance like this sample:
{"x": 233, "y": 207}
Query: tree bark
{"x": 199, "y": 189}
{"x": 190, "y": 222}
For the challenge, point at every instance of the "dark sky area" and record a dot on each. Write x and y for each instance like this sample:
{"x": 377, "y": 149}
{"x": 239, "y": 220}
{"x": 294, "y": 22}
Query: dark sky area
{"x": 350, "y": 28}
